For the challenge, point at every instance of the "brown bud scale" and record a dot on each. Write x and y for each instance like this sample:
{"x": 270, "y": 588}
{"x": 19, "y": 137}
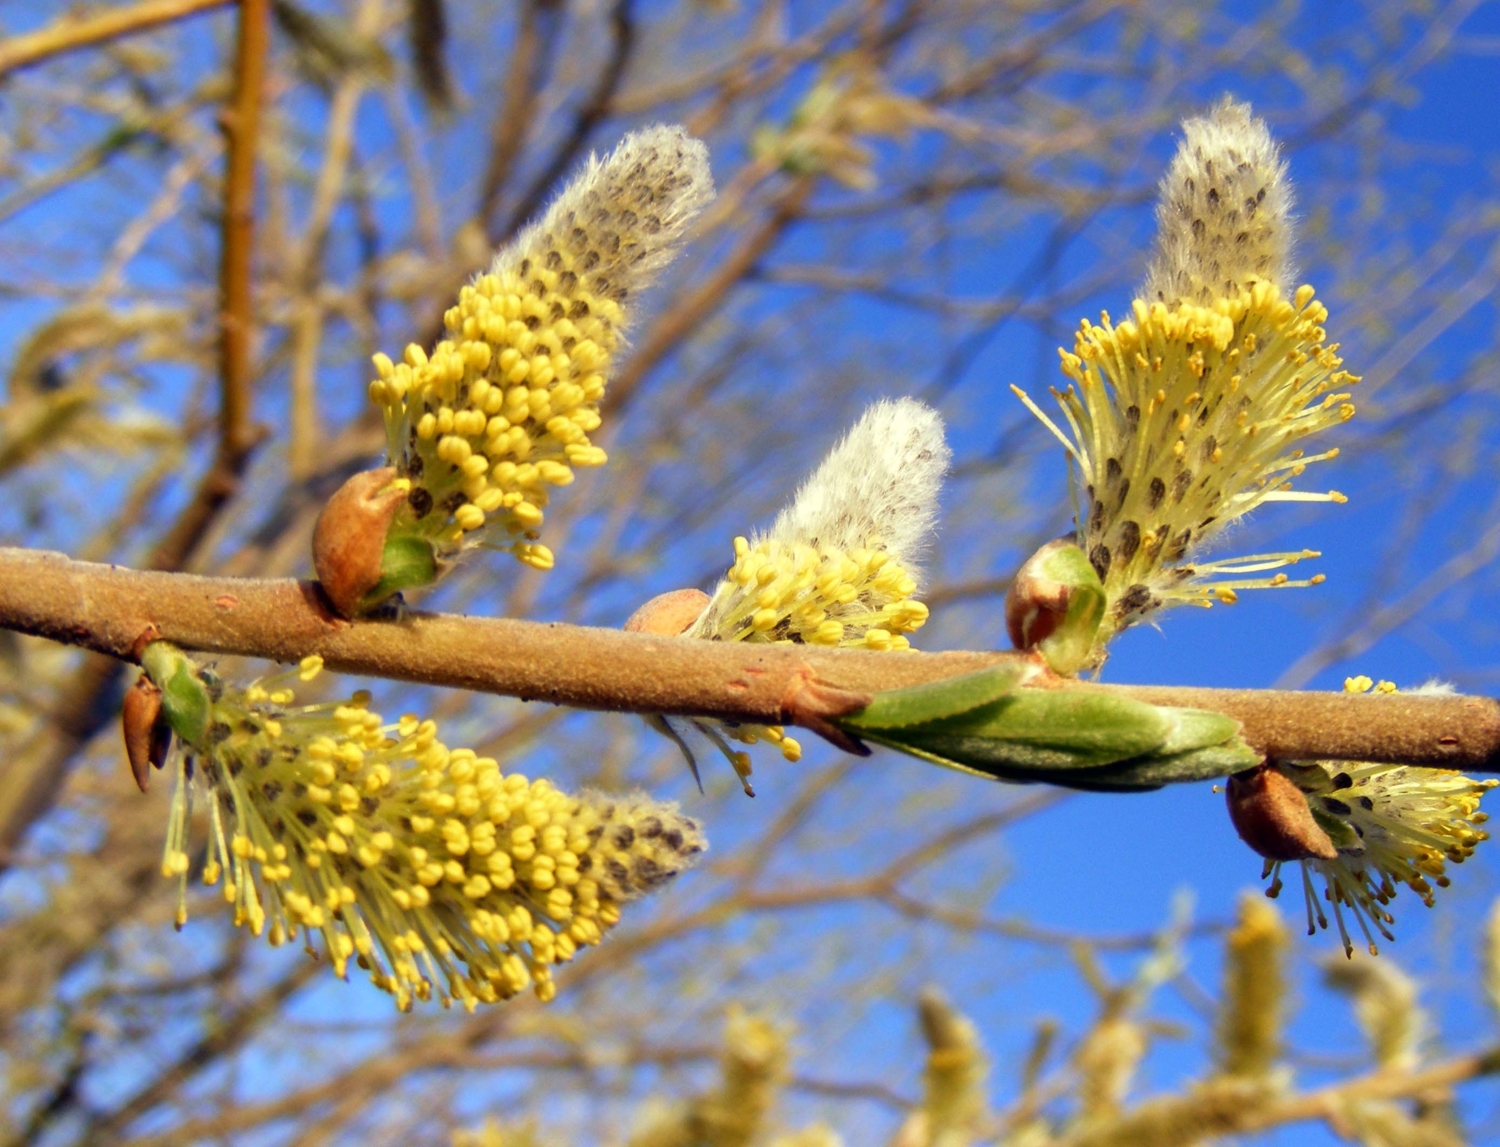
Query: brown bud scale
{"x": 349, "y": 539}
{"x": 146, "y": 736}
{"x": 1272, "y": 816}
{"x": 668, "y": 614}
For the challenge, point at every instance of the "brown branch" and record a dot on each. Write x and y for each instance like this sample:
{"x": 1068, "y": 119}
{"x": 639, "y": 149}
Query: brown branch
{"x": 72, "y": 32}
{"x": 228, "y": 1032}
{"x": 90, "y": 698}
{"x": 1379, "y": 1085}
{"x": 236, "y": 320}
{"x": 108, "y": 608}
{"x": 238, "y": 436}
{"x": 1231, "y": 1114}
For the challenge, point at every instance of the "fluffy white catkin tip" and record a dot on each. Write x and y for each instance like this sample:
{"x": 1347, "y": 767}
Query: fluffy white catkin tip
{"x": 880, "y": 483}
{"x": 624, "y": 216}
{"x": 1224, "y": 216}
{"x": 1432, "y": 688}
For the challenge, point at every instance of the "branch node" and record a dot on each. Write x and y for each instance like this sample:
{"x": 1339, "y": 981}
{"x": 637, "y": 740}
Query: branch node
{"x": 151, "y": 633}
{"x": 814, "y": 704}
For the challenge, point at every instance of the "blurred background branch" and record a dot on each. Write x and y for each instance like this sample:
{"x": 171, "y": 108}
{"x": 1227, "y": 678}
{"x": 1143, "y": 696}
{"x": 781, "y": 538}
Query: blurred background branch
{"x": 72, "y": 32}
{"x": 916, "y": 197}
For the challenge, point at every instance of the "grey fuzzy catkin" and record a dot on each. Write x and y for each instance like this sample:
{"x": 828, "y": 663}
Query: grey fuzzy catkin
{"x": 881, "y": 482}
{"x": 1224, "y": 214}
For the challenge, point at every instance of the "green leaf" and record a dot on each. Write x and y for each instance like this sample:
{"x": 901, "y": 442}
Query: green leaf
{"x": 1194, "y": 729}
{"x": 1050, "y": 729}
{"x": 1078, "y": 738}
{"x": 1160, "y": 768}
{"x": 935, "y": 700}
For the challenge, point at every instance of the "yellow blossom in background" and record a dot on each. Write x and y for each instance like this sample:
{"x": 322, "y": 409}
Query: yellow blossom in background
{"x": 849, "y": 102}
{"x": 754, "y": 1066}
{"x": 953, "y": 1110}
{"x": 428, "y": 866}
{"x": 1399, "y": 1036}
{"x": 59, "y": 393}
{"x": 500, "y": 412}
{"x": 816, "y": 1135}
{"x": 492, "y": 1133}
{"x": 1386, "y": 1007}
{"x": 1189, "y": 413}
{"x": 1254, "y": 997}
{"x": 1392, "y": 825}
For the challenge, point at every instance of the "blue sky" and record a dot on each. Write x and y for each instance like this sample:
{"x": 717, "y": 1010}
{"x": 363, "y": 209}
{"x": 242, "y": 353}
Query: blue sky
{"x": 1117, "y": 865}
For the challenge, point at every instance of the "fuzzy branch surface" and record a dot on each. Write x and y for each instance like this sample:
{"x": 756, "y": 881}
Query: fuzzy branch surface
{"x": 110, "y": 609}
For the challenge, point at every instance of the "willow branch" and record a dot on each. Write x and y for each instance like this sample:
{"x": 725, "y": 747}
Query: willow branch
{"x": 238, "y": 435}
{"x": 236, "y": 320}
{"x": 109, "y": 609}
{"x": 1379, "y": 1085}
{"x": 91, "y": 697}
{"x": 72, "y": 33}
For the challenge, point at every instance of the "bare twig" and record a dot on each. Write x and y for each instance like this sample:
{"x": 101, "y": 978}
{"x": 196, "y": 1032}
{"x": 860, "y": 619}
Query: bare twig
{"x": 237, "y": 434}
{"x": 1383, "y": 619}
{"x": 1382, "y": 1084}
{"x": 688, "y": 313}
{"x": 593, "y": 109}
{"x": 72, "y": 33}
{"x": 230, "y": 1031}
{"x": 1327, "y": 1103}
{"x": 108, "y": 608}
{"x": 308, "y": 308}
{"x": 90, "y": 698}
{"x": 530, "y": 61}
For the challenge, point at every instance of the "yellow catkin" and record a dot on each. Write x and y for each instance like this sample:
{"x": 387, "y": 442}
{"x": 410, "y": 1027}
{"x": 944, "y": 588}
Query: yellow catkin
{"x": 1393, "y": 825}
{"x": 956, "y": 1073}
{"x": 1492, "y": 957}
{"x": 1106, "y": 1062}
{"x": 816, "y": 1135}
{"x": 1223, "y": 216}
{"x": 500, "y": 412}
{"x": 838, "y": 567}
{"x": 427, "y": 866}
{"x": 753, "y": 1069}
{"x": 817, "y": 595}
{"x": 803, "y": 594}
{"x": 1254, "y": 1000}
{"x": 1386, "y": 1007}
{"x": 1191, "y": 410}
{"x": 493, "y": 1133}
{"x": 1169, "y": 456}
